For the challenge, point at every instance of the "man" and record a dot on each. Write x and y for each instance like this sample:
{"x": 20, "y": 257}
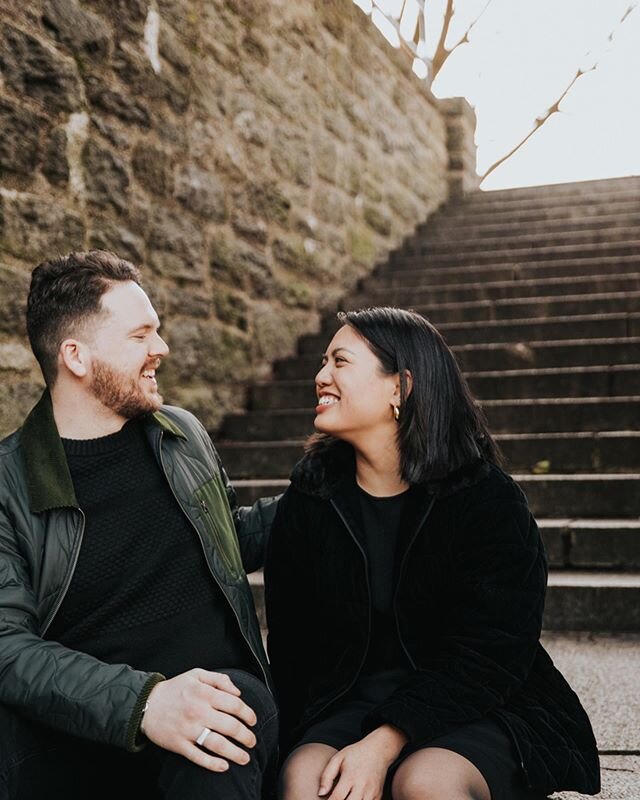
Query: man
{"x": 131, "y": 661}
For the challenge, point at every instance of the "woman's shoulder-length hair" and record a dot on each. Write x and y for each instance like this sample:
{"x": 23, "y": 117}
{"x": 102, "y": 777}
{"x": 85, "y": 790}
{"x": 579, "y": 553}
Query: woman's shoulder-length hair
{"x": 441, "y": 427}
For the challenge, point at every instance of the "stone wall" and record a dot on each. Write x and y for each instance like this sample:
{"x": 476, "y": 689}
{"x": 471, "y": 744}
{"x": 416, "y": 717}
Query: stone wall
{"x": 255, "y": 157}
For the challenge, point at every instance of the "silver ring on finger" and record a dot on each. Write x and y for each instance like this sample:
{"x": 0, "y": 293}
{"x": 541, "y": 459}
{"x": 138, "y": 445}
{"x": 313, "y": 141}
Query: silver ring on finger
{"x": 203, "y": 736}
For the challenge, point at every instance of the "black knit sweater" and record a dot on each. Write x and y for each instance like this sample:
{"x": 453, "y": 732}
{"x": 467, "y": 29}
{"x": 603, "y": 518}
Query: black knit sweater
{"x": 141, "y": 593}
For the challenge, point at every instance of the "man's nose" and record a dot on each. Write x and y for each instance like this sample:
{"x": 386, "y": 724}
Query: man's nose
{"x": 160, "y": 347}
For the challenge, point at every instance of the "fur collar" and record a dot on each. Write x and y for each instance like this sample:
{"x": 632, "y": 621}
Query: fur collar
{"x": 328, "y": 462}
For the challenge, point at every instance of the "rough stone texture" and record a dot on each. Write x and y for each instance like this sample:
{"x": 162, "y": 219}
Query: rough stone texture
{"x": 256, "y": 161}
{"x": 33, "y": 67}
{"x": 20, "y": 139}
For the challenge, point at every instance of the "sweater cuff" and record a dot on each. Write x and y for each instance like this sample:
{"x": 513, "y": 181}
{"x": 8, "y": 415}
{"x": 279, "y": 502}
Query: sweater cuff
{"x": 135, "y": 740}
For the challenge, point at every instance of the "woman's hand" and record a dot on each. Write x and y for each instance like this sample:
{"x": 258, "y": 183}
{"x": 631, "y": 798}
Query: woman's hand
{"x": 360, "y": 769}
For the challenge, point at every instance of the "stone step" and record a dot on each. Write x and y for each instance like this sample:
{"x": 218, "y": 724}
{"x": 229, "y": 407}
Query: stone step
{"x": 433, "y": 247}
{"x": 405, "y": 258}
{"x": 538, "y": 307}
{"x": 587, "y": 496}
{"x": 528, "y": 329}
{"x": 558, "y": 414}
{"x": 620, "y": 779}
{"x": 560, "y": 452}
{"x": 476, "y": 357}
{"x": 552, "y": 495}
{"x": 574, "y": 452}
{"x": 539, "y": 415}
{"x": 536, "y": 197}
{"x": 518, "y": 307}
{"x": 457, "y": 217}
{"x": 603, "y": 670}
{"x": 576, "y": 189}
{"x": 592, "y": 543}
{"x": 577, "y": 600}
{"x": 601, "y": 381}
{"x": 426, "y": 275}
{"x": 584, "y": 600}
{"x": 494, "y": 290}
{"x": 441, "y": 227}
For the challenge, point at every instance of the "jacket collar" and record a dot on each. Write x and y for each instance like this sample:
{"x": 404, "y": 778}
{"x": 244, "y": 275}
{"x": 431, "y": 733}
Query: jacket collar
{"x": 329, "y": 464}
{"x": 49, "y": 481}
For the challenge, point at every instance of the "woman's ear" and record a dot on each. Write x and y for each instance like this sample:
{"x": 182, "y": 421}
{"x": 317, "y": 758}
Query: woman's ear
{"x": 409, "y": 385}
{"x": 409, "y": 381}
{"x": 74, "y": 356}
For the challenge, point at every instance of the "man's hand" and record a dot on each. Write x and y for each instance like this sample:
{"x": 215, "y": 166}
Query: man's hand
{"x": 180, "y": 708}
{"x": 359, "y": 770}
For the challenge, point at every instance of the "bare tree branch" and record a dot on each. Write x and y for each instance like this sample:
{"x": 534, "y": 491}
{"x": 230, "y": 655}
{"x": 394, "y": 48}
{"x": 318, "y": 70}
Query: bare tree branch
{"x": 465, "y": 39}
{"x": 555, "y": 107}
{"x": 629, "y": 10}
{"x": 442, "y": 52}
{"x": 540, "y": 121}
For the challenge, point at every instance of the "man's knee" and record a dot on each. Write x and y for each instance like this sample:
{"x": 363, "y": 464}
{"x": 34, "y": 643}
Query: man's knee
{"x": 256, "y": 695}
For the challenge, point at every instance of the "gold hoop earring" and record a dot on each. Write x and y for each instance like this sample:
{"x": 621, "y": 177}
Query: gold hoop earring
{"x": 396, "y": 413}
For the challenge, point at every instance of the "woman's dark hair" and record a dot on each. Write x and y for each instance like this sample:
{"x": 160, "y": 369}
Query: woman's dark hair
{"x": 65, "y": 292}
{"x": 441, "y": 427}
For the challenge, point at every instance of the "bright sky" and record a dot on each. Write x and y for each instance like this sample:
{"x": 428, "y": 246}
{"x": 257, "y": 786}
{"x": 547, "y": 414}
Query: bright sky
{"x": 521, "y": 56}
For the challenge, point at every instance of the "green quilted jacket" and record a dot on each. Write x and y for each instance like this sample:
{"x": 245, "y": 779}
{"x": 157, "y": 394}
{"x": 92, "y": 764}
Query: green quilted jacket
{"x": 41, "y": 528}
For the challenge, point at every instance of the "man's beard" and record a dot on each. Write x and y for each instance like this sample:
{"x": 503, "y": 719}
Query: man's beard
{"x": 121, "y": 393}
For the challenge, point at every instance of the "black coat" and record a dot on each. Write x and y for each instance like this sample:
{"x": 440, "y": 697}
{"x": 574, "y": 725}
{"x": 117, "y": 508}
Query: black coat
{"x": 470, "y": 578}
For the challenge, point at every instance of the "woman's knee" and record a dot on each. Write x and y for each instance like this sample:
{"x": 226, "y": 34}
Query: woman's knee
{"x": 438, "y": 775}
{"x": 300, "y": 774}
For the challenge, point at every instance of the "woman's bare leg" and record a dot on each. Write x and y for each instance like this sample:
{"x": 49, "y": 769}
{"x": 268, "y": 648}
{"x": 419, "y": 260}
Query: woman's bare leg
{"x": 300, "y": 775}
{"x": 434, "y": 773}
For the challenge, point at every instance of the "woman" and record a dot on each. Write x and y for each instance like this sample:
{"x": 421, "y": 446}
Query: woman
{"x": 405, "y": 588}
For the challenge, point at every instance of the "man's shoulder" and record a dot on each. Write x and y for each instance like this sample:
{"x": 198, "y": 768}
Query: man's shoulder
{"x": 10, "y": 444}
{"x": 12, "y": 471}
{"x": 184, "y": 420}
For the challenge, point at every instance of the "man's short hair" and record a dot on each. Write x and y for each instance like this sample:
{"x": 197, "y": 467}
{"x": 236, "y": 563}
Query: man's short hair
{"x": 64, "y": 293}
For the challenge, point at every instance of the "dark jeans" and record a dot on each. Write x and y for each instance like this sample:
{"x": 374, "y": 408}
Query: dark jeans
{"x": 43, "y": 764}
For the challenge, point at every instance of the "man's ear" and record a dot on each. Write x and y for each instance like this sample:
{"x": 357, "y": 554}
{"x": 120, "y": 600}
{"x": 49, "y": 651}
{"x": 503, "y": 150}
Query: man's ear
{"x": 74, "y": 356}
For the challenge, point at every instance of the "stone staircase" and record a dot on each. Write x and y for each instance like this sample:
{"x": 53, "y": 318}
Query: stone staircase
{"x": 538, "y": 292}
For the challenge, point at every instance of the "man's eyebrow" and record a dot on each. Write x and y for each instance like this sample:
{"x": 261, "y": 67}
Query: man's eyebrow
{"x": 146, "y": 326}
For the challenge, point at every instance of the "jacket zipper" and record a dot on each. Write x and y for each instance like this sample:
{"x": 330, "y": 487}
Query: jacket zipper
{"x": 400, "y": 573}
{"x": 516, "y": 744}
{"x": 364, "y": 657}
{"x": 67, "y": 583}
{"x": 214, "y": 576}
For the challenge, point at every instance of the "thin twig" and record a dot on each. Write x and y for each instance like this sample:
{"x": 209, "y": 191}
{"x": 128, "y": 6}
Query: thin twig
{"x": 555, "y": 107}
{"x": 540, "y": 121}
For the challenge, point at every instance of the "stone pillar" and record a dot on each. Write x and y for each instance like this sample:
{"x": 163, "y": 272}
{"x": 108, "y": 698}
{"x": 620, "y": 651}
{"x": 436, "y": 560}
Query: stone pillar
{"x": 461, "y": 127}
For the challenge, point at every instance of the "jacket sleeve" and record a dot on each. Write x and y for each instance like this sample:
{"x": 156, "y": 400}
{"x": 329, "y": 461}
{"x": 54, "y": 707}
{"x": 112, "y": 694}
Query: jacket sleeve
{"x": 492, "y": 633}
{"x": 252, "y": 523}
{"x": 287, "y": 575}
{"x": 51, "y": 684}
